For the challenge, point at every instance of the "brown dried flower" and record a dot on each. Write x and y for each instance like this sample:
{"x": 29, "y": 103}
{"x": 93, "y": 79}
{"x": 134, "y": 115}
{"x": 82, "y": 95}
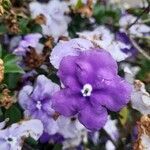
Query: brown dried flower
{"x": 86, "y": 10}
{"x": 40, "y": 19}
{"x": 11, "y": 22}
{"x": 33, "y": 59}
{"x": 143, "y": 133}
{"x": 1, "y": 10}
{"x": 49, "y": 42}
{"x": 1, "y": 70}
{"x": 138, "y": 85}
{"x": 6, "y": 100}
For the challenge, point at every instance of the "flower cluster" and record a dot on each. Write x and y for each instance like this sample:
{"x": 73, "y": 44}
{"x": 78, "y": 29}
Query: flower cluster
{"x": 74, "y": 74}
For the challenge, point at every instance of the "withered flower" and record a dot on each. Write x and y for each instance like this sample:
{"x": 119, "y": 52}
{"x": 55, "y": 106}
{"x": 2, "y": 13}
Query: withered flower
{"x": 40, "y": 19}
{"x": 1, "y": 70}
{"x": 49, "y": 42}
{"x": 33, "y": 59}
{"x": 11, "y": 22}
{"x": 143, "y": 140}
{"x": 86, "y": 10}
{"x": 1, "y": 10}
{"x": 6, "y": 100}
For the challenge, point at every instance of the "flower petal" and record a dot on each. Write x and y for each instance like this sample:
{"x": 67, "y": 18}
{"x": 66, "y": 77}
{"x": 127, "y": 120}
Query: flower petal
{"x": 45, "y": 85}
{"x": 24, "y": 96}
{"x": 93, "y": 118}
{"x": 95, "y": 64}
{"x": 66, "y": 73}
{"x": 69, "y": 48}
{"x": 66, "y": 103}
{"x": 114, "y": 95}
{"x": 27, "y": 128}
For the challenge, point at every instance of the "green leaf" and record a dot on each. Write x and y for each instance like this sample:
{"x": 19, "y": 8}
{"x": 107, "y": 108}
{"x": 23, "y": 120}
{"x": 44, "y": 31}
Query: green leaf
{"x": 11, "y": 80}
{"x": 31, "y": 141}
{"x": 0, "y": 51}
{"x": 6, "y": 4}
{"x": 10, "y": 58}
{"x": 36, "y": 28}
{"x": 3, "y": 28}
{"x": 106, "y": 14}
{"x": 13, "y": 69}
{"x": 14, "y": 114}
{"x": 10, "y": 64}
{"x": 57, "y": 147}
{"x": 79, "y": 4}
{"x": 124, "y": 115}
{"x": 23, "y": 25}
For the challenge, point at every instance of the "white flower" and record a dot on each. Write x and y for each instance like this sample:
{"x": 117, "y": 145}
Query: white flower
{"x": 130, "y": 72}
{"x": 74, "y": 2}
{"x": 3, "y": 123}
{"x": 56, "y": 22}
{"x": 111, "y": 128}
{"x": 12, "y": 138}
{"x": 72, "y": 47}
{"x": 72, "y": 130}
{"x": 115, "y": 50}
{"x": 140, "y": 98}
{"x": 138, "y": 29}
{"x": 145, "y": 142}
{"x": 109, "y": 145}
{"x": 103, "y": 38}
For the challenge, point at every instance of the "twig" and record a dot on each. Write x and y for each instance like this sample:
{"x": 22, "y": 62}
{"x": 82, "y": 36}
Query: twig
{"x": 115, "y": 144}
{"x": 147, "y": 9}
{"x": 139, "y": 48}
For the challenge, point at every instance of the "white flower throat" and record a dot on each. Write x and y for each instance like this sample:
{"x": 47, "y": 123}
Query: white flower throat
{"x": 87, "y": 90}
{"x": 11, "y": 140}
{"x": 38, "y": 105}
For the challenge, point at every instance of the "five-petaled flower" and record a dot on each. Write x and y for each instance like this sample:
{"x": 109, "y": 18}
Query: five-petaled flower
{"x": 92, "y": 86}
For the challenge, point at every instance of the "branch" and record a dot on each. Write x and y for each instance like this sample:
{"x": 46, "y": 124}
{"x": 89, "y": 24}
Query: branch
{"x": 139, "y": 48}
{"x": 147, "y": 9}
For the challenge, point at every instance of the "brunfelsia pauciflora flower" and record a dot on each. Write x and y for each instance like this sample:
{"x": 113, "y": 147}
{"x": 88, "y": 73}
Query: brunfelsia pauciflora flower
{"x": 91, "y": 86}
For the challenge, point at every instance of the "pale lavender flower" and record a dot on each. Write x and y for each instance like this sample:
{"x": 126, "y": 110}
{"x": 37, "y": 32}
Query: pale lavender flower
{"x": 56, "y": 21}
{"x": 72, "y": 47}
{"x": 140, "y": 98}
{"x": 112, "y": 129}
{"x": 138, "y": 29}
{"x": 73, "y": 131}
{"x": 106, "y": 40}
{"x": 36, "y": 102}
{"x": 30, "y": 40}
{"x": 12, "y": 137}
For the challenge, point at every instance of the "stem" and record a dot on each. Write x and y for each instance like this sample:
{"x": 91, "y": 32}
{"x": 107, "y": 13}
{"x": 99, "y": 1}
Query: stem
{"x": 139, "y": 48}
{"x": 115, "y": 144}
{"x": 147, "y": 9}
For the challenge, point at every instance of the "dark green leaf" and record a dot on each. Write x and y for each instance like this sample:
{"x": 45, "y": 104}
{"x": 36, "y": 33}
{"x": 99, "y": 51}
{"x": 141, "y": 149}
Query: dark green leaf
{"x": 3, "y": 28}
{"x": 0, "y": 51}
{"x": 10, "y": 64}
{"x": 11, "y": 80}
{"x": 14, "y": 114}
{"x": 23, "y": 25}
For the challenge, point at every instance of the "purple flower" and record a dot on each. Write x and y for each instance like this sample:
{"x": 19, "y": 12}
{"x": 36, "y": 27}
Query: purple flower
{"x": 12, "y": 138}
{"x": 36, "y": 102}
{"x": 30, "y": 40}
{"x": 122, "y": 37}
{"x": 91, "y": 85}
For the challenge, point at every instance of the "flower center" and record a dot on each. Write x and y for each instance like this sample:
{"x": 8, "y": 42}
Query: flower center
{"x": 11, "y": 140}
{"x": 38, "y": 105}
{"x": 87, "y": 90}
